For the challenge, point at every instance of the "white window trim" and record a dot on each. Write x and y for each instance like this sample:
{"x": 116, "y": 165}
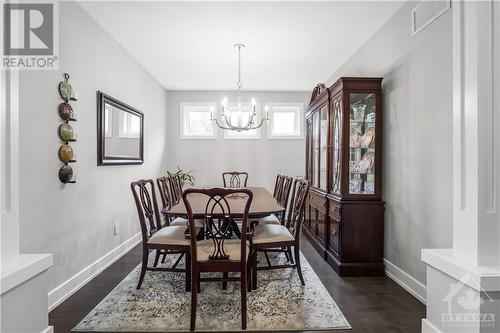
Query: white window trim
{"x": 300, "y": 119}
{"x": 257, "y": 135}
{"x": 182, "y": 113}
{"x": 109, "y": 124}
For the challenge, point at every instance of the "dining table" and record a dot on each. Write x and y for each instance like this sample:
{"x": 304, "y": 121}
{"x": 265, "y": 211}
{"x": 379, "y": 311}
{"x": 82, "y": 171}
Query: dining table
{"x": 263, "y": 204}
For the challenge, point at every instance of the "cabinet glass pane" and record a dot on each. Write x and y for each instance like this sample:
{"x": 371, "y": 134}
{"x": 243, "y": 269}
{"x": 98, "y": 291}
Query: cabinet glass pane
{"x": 323, "y": 146}
{"x": 315, "y": 150}
{"x": 308, "y": 147}
{"x": 337, "y": 145}
{"x": 362, "y": 143}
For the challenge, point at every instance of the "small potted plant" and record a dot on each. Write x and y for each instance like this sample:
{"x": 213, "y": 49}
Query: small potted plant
{"x": 185, "y": 177}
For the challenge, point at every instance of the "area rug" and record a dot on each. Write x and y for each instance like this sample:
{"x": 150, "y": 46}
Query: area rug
{"x": 161, "y": 305}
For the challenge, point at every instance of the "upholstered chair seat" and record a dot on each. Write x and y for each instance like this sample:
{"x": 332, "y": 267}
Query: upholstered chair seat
{"x": 270, "y": 219}
{"x": 272, "y": 233}
{"x": 180, "y": 221}
{"x": 172, "y": 235}
{"x": 232, "y": 247}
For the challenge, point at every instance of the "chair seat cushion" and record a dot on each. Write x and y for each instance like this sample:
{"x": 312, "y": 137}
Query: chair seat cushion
{"x": 179, "y": 221}
{"x": 171, "y": 235}
{"x": 271, "y": 233}
{"x": 270, "y": 219}
{"x": 232, "y": 247}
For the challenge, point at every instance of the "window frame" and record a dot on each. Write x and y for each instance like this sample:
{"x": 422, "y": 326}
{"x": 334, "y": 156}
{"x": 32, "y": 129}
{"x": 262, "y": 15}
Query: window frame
{"x": 299, "y": 114}
{"x": 184, "y": 109}
{"x": 257, "y": 136}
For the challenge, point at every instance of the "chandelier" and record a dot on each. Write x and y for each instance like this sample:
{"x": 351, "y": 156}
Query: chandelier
{"x": 233, "y": 118}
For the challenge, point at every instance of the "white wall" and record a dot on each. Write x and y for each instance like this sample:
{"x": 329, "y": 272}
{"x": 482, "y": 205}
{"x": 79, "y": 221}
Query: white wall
{"x": 9, "y": 164}
{"x": 417, "y": 156}
{"x": 75, "y": 221}
{"x": 496, "y": 72}
{"x": 261, "y": 158}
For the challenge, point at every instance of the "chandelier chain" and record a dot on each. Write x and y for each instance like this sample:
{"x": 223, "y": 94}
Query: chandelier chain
{"x": 239, "y": 84}
{"x": 233, "y": 119}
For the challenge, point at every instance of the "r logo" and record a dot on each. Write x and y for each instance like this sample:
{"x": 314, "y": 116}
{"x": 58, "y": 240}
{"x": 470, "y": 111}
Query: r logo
{"x": 28, "y": 29}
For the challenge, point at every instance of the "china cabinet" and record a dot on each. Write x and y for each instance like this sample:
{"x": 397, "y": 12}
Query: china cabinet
{"x": 344, "y": 217}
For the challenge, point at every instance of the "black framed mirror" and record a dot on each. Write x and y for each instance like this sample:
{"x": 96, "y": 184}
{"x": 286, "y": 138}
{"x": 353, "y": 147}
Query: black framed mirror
{"x": 120, "y": 132}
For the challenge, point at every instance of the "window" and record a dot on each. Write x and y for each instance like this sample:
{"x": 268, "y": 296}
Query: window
{"x": 247, "y": 110}
{"x": 285, "y": 121}
{"x": 195, "y": 121}
{"x": 130, "y": 126}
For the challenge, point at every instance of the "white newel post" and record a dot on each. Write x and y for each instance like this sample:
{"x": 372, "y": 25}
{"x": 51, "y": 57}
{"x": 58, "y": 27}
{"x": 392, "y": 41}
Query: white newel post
{"x": 23, "y": 277}
{"x": 463, "y": 283}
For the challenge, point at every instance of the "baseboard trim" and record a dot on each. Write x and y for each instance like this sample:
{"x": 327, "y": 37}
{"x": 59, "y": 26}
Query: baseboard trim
{"x": 70, "y": 286}
{"x": 49, "y": 329}
{"x": 405, "y": 280}
{"x": 428, "y": 327}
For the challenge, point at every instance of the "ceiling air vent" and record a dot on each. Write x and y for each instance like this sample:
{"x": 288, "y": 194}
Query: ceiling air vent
{"x": 426, "y": 12}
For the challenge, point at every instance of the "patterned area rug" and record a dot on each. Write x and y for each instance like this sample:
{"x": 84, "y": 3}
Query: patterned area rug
{"x": 162, "y": 305}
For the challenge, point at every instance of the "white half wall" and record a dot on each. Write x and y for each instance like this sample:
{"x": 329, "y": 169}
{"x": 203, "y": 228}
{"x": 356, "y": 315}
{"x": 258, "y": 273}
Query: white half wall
{"x": 261, "y": 158}
{"x": 417, "y": 123}
{"x": 75, "y": 222}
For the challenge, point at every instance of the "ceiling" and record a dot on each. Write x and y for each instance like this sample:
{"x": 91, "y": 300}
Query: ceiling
{"x": 290, "y": 46}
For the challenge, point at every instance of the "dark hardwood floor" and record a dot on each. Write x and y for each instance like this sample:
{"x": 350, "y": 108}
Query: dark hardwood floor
{"x": 370, "y": 304}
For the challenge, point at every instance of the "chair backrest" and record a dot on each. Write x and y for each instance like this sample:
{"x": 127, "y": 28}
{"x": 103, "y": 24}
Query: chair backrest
{"x": 297, "y": 205}
{"x": 165, "y": 192}
{"x": 284, "y": 194}
{"x": 278, "y": 185}
{"x": 235, "y": 179}
{"x": 219, "y": 218}
{"x": 175, "y": 189}
{"x": 147, "y": 207}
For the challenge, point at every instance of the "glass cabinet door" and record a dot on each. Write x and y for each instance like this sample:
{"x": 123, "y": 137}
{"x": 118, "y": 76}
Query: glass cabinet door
{"x": 337, "y": 145}
{"x": 362, "y": 143}
{"x": 308, "y": 148}
{"x": 323, "y": 147}
{"x": 315, "y": 150}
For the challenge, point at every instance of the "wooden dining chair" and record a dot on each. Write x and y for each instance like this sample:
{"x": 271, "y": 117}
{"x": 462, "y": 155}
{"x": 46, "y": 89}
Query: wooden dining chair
{"x": 235, "y": 179}
{"x": 175, "y": 189}
{"x": 283, "y": 194}
{"x": 165, "y": 195}
{"x": 279, "y": 238}
{"x": 167, "y": 202}
{"x": 156, "y": 236}
{"x": 218, "y": 252}
{"x": 278, "y": 185}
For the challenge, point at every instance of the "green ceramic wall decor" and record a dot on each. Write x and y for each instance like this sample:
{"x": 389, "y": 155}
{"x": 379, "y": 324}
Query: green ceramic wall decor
{"x": 66, "y": 132}
{"x": 66, "y": 90}
{"x": 66, "y": 174}
{"x": 66, "y": 153}
{"x": 66, "y": 111}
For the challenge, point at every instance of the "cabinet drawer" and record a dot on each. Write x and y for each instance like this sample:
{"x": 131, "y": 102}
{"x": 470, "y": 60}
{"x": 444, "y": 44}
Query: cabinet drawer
{"x": 335, "y": 211}
{"x": 317, "y": 201}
